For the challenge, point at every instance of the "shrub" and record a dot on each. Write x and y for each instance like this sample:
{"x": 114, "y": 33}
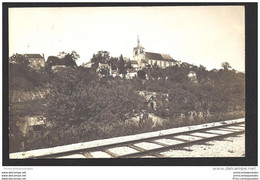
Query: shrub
{"x": 75, "y": 101}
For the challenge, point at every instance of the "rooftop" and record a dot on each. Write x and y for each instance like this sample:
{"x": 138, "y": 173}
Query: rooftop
{"x": 156, "y": 56}
{"x": 33, "y": 56}
{"x": 134, "y": 62}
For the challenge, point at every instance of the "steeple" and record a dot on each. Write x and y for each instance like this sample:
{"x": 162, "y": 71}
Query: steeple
{"x": 138, "y": 49}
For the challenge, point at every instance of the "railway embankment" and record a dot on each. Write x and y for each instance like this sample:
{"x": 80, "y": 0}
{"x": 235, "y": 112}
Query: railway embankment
{"x": 197, "y": 139}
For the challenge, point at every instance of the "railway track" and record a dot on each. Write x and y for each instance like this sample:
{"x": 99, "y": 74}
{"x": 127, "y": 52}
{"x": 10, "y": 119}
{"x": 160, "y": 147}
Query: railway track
{"x": 142, "y": 145}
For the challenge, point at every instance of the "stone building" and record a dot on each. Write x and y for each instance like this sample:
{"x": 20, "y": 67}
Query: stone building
{"x": 36, "y": 61}
{"x": 131, "y": 74}
{"x": 134, "y": 64}
{"x": 149, "y": 58}
{"x": 104, "y": 70}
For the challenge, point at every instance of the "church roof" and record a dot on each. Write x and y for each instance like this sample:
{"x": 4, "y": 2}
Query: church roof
{"x": 134, "y": 62}
{"x": 139, "y": 47}
{"x": 33, "y": 56}
{"x": 156, "y": 56}
{"x": 143, "y": 61}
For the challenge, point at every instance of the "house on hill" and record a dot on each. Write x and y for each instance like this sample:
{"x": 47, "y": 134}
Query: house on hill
{"x": 149, "y": 58}
{"x": 87, "y": 65}
{"x": 36, "y": 61}
{"x": 104, "y": 70}
{"x": 134, "y": 64}
{"x": 131, "y": 74}
{"x": 56, "y": 64}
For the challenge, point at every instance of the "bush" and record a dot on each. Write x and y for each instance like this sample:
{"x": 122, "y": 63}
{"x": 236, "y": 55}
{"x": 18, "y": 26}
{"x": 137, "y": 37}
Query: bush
{"x": 25, "y": 78}
{"x": 82, "y": 107}
{"x": 97, "y": 106}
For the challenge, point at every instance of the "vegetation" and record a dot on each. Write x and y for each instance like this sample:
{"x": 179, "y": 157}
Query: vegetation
{"x": 63, "y": 58}
{"x": 101, "y": 57}
{"x": 81, "y": 106}
{"x": 122, "y": 66}
{"x": 23, "y": 77}
{"x": 215, "y": 92}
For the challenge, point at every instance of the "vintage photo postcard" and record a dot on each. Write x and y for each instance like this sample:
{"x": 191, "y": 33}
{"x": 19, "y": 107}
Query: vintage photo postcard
{"x": 127, "y": 82}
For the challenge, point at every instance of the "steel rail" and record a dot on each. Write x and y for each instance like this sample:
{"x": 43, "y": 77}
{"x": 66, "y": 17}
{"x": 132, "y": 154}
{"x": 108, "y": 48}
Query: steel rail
{"x": 105, "y": 148}
{"x": 185, "y": 144}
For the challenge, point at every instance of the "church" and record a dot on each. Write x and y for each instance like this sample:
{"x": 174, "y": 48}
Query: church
{"x": 144, "y": 59}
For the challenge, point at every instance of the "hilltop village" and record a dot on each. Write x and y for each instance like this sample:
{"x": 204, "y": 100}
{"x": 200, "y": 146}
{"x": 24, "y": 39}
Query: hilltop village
{"x": 56, "y": 102}
{"x": 104, "y": 65}
{"x": 141, "y": 60}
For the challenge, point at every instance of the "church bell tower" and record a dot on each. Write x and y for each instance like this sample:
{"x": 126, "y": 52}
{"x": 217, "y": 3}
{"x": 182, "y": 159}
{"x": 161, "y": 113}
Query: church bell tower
{"x": 138, "y": 50}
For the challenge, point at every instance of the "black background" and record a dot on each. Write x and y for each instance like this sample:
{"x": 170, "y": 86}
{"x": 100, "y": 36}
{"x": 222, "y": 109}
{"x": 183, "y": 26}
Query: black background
{"x": 250, "y": 158}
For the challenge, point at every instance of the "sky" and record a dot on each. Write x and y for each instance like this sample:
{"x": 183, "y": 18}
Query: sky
{"x": 206, "y": 35}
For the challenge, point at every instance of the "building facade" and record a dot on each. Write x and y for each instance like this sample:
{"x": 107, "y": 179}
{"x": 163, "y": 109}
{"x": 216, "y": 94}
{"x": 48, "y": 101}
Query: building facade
{"x": 104, "y": 70}
{"x": 153, "y": 59}
{"x": 36, "y": 61}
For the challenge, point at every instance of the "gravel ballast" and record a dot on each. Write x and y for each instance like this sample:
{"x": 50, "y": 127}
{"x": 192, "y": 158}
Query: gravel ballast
{"x": 228, "y": 147}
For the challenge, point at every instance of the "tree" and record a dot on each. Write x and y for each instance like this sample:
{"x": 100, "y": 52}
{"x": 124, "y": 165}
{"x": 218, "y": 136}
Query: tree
{"x": 121, "y": 66}
{"x": 202, "y": 68}
{"x": 78, "y": 111}
{"x": 129, "y": 65}
{"x": 141, "y": 74}
{"x": 69, "y": 59}
{"x": 74, "y": 55}
{"x": 101, "y": 57}
{"x": 18, "y": 59}
{"x": 62, "y": 54}
{"x": 22, "y": 76}
{"x": 18, "y": 65}
{"x": 226, "y": 66}
{"x": 113, "y": 62}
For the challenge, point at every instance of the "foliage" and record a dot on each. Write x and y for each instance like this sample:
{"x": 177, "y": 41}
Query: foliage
{"x": 129, "y": 65}
{"x": 66, "y": 59}
{"x": 113, "y": 63}
{"x": 101, "y": 57}
{"x": 215, "y": 92}
{"x": 90, "y": 103}
{"x": 104, "y": 71}
{"x": 19, "y": 59}
{"x": 226, "y": 65}
{"x": 70, "y": 59}
{"x": 81, "y": 106}
{"x": 141, "y": 74}
{"x": 23, "y": 77}
{"x": 74, "y": 55}
{"x": 122, "y": 66}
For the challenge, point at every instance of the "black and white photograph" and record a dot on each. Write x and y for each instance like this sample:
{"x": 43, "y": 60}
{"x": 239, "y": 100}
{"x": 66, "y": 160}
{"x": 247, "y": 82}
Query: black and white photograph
{"x": 146, "y": 82}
